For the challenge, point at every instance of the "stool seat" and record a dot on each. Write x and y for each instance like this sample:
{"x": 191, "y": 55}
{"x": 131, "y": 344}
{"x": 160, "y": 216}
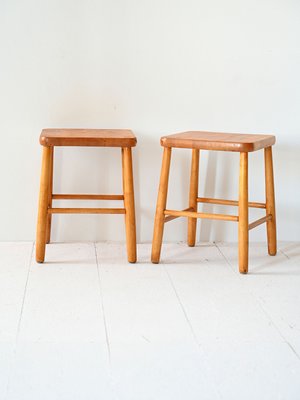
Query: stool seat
{"x": 88, "y": 137}
{"x": 218, "y": 141}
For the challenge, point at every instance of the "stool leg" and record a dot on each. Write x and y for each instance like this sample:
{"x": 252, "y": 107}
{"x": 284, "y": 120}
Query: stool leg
{"x": 49, "y": 216}
{"x": 129, "y": 204}
{"x": 43, "y": 206}
{"x": 270, "y": 202}
{"x": 161, "y": 206}
{"x": 243, "y": 214}
{"x": 192, "y": 222}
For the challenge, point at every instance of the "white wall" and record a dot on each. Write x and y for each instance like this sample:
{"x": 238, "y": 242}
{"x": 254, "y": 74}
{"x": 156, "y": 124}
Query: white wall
{"x": 157, "y": 67}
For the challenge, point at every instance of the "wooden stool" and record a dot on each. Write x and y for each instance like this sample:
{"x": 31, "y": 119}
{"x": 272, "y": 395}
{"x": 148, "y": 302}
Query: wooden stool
{"x": 241, "y": 143}
{"x": 50, "y": 138}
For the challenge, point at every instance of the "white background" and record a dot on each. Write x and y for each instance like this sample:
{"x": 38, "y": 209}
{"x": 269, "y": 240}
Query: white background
{"x": 156, "y": 67}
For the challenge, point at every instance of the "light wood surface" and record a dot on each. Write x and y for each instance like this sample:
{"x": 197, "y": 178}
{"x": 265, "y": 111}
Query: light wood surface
{"x": 259, "y": 221}
{"x": 88, "y": 210}
{"x": 171, "y": 217}
{"x": 88, "y": 137}
{"x": 129, "y": 204}
{"x": 192, "y": 214}
{"x": 218, "y": 141}
{"x": 242, "y": 143}
{"x": 43, "y": 205}
{"x": 229, "y": 202}
{"x": 270, "y": 202}
{"x": 87, "y": 196}
{"x": 243, "y": 214}
{"x": 161, "y": 206}
{"x": 194, "y": 178}
{"x": 50, "y": 138}
{"x": 49, "y": 216}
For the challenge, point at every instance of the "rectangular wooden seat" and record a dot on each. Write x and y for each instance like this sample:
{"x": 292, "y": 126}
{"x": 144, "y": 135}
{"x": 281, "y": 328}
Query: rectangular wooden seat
{"x": 218, "y": 141}
{"x": 88, "y": 137}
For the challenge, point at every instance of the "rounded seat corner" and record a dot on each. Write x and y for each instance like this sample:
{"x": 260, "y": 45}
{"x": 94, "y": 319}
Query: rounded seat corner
{"x": 134, "y": 141}
{"x": 43, "y": 140}
{"x": 164, "y": 141}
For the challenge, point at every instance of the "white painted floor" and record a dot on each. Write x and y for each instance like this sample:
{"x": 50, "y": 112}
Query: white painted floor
{"x": 88, "y": 325}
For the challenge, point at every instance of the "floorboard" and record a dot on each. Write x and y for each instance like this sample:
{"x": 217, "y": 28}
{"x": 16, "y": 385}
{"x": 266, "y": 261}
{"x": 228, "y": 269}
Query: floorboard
{"x": 88, "y": 325}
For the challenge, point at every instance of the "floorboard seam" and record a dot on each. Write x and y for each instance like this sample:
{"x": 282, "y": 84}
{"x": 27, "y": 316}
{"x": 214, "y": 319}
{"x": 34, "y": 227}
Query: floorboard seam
{"x": 262, "y": 308}
{"x": 14, "y": 352}
{"x": 181, "y": 305}
{"x": 24, "y": 294}
{"x": 276, "y": 327}
{"x": 112, "y": 380}
{"x": 191, "y": 329}
{"x": 102, "y": 306}
{"x": 285, "y": 255}
{"x": 225, "y": 258}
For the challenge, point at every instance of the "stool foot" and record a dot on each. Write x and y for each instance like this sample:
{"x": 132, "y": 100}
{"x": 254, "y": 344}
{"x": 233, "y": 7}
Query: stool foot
{"x": 161, "y": 206}
{"x": 243, "y": 214}
{"x": 129, "y": 204}
{"x": 270, "y": 202}
{"x": 192, "y": 222}
{"x": 43, "y": 206}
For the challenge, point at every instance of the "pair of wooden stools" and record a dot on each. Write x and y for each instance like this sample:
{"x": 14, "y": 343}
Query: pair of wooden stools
{"x": 125, "y": 139}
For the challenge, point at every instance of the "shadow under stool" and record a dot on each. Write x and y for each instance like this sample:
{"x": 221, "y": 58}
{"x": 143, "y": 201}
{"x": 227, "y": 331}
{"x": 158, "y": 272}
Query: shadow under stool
{"x": 242, "y": 143}
{"x": 50, "y": 138}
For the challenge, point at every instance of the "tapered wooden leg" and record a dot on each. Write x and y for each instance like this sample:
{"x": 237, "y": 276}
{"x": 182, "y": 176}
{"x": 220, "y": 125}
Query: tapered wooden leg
{"x": 129, "y": 204}
{"x": 192, "y": 222}
{"x": 270, "y": 202}
{"x": 161, "y": 206}
{"x": 243, "y": 214}
{"x": 43, "y": 206}
{"x": 49, "y": 217}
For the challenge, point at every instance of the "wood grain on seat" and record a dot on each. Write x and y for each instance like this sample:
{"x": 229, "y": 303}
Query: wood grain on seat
{"x": 218, "y": 141}
{"x": 88, "y": 137}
